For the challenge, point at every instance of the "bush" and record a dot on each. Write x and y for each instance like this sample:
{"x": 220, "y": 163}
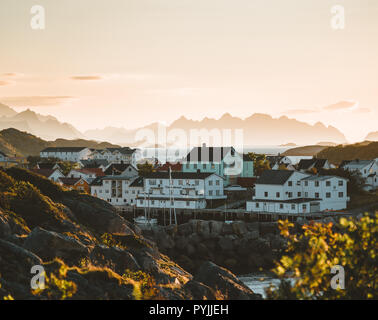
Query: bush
{"x": 311, "y": 255}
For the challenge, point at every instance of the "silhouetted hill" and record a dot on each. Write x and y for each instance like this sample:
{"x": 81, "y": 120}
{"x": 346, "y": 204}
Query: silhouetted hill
{"x": 364, "y": 150}
{"x": 372, "y": 136}
{"x": 46, "y": 127}
{"x": 304, "y": 151}
{"x": 258, "y": 129}
{"x": 15, "y": 142}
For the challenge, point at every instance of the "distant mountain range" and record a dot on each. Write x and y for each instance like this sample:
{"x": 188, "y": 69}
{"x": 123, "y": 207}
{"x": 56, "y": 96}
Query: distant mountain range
{"x": 258, "y": 129}
{"x": 372, "y": 136}
{"x": 46, "y": 127}
{"x": 17, "y": 143}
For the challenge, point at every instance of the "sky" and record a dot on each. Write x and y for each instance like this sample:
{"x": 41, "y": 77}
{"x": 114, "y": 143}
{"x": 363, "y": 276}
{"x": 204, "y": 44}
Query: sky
{"x": 128, "y": 63}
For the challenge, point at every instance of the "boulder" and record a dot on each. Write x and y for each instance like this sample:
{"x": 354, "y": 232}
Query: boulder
{"x": 253, "y": 226}
{"x": 199, "y": 291}
{"x": 181, "y": 243}
{"x": 223, "y": 280}
{"x": 216, "y": 227}
{"x": 50, "y": 244}
{"x": 203, "y": 228}
{"x": 239, "y": 228}
{"x": 269, "y": 227}
{"x": 227, "y": 229}
{"x": 5, "y": 229}
{"x": 115, "y": 258}
{"x": 252, "y": 235}
{"x": 184, "y": 229}
{"x": 226, "y": 243}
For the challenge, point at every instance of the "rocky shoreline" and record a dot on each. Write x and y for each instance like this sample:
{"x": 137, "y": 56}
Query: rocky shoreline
{"x": 239, "y": 246}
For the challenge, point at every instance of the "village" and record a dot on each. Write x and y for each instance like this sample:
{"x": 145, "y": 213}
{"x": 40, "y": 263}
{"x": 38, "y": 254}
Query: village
{"x": 199, "y": 186}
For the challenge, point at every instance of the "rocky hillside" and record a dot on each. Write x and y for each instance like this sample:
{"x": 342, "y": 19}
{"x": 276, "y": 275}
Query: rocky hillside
{"x": 304, "y": 151}
{"x": 15, "y": 142}
{"x": 364, "y": 150}
{"x": 88, "y": 251}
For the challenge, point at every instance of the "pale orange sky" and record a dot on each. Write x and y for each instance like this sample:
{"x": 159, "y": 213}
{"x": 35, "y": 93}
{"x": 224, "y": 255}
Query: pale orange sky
{"x": 128, "y": 63}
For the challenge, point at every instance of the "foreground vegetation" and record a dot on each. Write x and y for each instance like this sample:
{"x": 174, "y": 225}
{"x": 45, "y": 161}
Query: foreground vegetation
{"x": 311, "y": 255}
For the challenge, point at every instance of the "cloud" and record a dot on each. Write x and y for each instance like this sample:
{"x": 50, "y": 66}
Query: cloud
{"x": 86, "y": 78}
{"x": 34, "y": 101}
{"x": 342, "y": 105}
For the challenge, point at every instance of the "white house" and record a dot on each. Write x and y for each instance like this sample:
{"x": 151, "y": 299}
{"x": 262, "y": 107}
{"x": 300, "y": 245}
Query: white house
{"x": 116, "y": 155}
{"x": 52, "y": 174}
{"x": 276, "y": 161}
{"x": 284, "y": 191}
{"x": 122, "y": 169}
{"x": 314, "y": 163}
{"x": 73, "y": 154}
{"x": 368, "y": 169}
{"x": 188, "y": 190}
{"x": 118, "y": 190}
{"x": 3, "y": 156}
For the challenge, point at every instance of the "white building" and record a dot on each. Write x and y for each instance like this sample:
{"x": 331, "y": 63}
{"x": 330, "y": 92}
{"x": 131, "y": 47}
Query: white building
{"x": 188, "y": 190}
{"x": 368, "y": 169}
{"x": 116, "y": 188}
{"x": 73, "y": 154}
{"x": 116, "y": 155}
{"x": 314, "y": 163}
{"x": 51, "y": 174}
{"x": 284, "y": 191}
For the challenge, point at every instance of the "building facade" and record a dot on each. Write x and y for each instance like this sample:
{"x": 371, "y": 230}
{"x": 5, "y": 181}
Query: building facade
{"x": 284, "y": 191}
{"x": 73, "y": 154}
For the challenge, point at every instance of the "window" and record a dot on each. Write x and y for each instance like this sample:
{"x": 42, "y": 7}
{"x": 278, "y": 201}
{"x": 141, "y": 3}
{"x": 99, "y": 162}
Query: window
{"x": 306, "y": 183}
{"x": 306, "y": 194}
{"x": 187, "y": 203}
{"x": 196, "y": 182}
{"x": 304, "y": 207}
{"x": 195, "y": 166}
{"x": 277, "y": 194}
{"x": 152, "y": 181}
{"x": 210, "y": 192}
{"x": 341, "y": 183}
{"x": 316, "y": 183}
{"x": 328, "y": 195}
{"x": 257, "y": 205}
{"x": 281, "y": 206}
{"x": 265, "y": 194}
{"x": 217, "y": 182}
{"x": 204, "y": 165}
{"x": 180, "y": 182}
{"x": 341, "y": 194}
{"x": 298, "y": 183}
{"x": 316, "y": 194}
{"x": 299, "y": 194}
{"x": 217, "y": 192}
{"x": 293, "y": 207}
{"x": 187, "y": 166}
{"x": 290, "y": 183}
{"x": 290, "y": 194}
{"x": 152, "y": 201}
{"x": 210, "y": 182}
{"x": 328, "y": 183}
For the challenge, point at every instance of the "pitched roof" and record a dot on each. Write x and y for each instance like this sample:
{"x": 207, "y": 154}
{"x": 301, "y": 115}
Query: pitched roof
{"x": 138, "y": 182}
{"x": 208, "y": 154}
{"x": 46, "y": 165}
{"x": 44, "y": 172}
{"x": 70, "y": 181}
{"x": 320, "y": 178}
{"x": 97, "y": 182}
{"x": 3, "y": 154}
{"x": 274, "y": 177}
{"x": 97, "y": 171}
{"x": 124, "y": 150}
{"x": 178, "y": 175}
{"x": 173, "y": 166}
{"x": 358, "y": 164}
{"x": 95, "y": 163}
{"x": 305, "y": 164}
{"x": 63, "y": 149}
{"x": 117, "y": 168}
